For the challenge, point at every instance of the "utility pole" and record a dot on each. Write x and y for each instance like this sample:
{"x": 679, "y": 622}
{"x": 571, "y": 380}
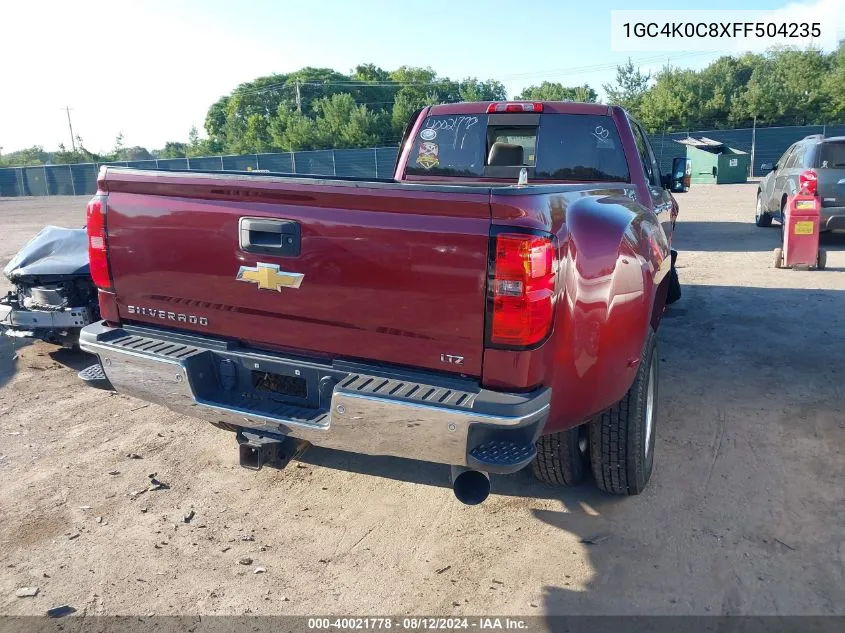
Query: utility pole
{"x": 298, "y": 97}
{"x": 753, "y": 144}
{"x": 72, "y": 140}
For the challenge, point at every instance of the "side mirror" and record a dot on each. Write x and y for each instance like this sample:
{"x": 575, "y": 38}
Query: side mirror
{"x": 767, "y": 167}
{"x": 680, "y": 179}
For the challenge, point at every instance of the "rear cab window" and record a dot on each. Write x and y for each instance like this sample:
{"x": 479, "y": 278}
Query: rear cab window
{"x": 550, "y": 146}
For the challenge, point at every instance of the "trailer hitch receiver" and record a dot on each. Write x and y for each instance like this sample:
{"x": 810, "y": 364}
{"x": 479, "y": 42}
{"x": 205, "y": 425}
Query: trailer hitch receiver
{"x": 256, "y": 451}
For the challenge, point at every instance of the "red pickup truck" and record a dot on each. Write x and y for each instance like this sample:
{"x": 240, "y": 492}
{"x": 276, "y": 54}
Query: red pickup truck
{"x": 492, "y": 306}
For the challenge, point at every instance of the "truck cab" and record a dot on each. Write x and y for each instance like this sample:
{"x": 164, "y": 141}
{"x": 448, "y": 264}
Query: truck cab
{"x": 552, "y": 142}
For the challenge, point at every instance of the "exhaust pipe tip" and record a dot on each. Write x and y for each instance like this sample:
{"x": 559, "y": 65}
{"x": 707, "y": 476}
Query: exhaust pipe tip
{"x": 471, "y": 487}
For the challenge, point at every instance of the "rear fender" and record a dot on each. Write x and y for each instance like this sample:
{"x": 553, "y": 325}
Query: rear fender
{"x": 662, "y": 291}
{"x": 615, "y": 260}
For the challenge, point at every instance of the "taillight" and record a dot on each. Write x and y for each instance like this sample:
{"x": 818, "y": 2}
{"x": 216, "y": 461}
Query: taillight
{"x": 522, "y": 289}
{"x": 808, "y": 182}
{"x": 98, "y": 257}
{"x": 518, "y": 106}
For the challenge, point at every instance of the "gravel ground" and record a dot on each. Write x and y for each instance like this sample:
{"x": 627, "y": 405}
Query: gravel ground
{"x": 745, "y": 513}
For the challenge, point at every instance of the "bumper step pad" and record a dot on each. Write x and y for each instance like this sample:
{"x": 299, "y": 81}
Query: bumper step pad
{"x": 94, "y": 376}
{"x": 502, "y": 456}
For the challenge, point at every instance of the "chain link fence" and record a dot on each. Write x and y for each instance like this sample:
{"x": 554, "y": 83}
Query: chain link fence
{"x": 81, "y": 178}
{"x": 765, "y": 144}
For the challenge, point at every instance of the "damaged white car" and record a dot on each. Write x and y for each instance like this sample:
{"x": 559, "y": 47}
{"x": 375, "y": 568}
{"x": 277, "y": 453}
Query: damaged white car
{"x": 53, "y": 296}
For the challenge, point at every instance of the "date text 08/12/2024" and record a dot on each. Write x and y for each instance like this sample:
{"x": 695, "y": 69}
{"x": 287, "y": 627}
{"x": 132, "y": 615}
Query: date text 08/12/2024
{"x": 418, "y": 623}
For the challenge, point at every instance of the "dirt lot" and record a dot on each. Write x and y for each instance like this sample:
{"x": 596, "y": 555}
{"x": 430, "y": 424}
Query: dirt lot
{"x": 745, "y": 513}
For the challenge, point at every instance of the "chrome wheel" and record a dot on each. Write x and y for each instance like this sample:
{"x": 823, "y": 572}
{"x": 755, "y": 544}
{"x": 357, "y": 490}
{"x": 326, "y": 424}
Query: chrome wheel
{"x": 649, "y": 410}
{"x": 759, "y": 210}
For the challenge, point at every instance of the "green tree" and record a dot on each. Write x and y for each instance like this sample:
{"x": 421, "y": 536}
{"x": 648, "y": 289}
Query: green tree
{"x": 293, "y": 131}
{"x": 373, "y": 88}
{"x": 28, "y": 157}
{"x": 673, "y": 102}
{"x": 418, "y": 88}
{"x": 473, "y": 89}
{"x": 300, "y": 110}
{"x": 197, "y": 146}
{"x": 226, "y": 120}
{"x": 551, "y": 91}
{"x": 316, "y": 83}
{"x": 342, "y": 123}
{"x": 118, "y": 147}
{"x": 404, "y": 106}
{"x": 585, "y": 94}
{"x": 834, "y": 86}
{"x": 722, "y": 84}
{"x": 64, "y": 156}
{"x": 215, "y": 119}
{"x": 787, "y": 88}
{"x": 629, "y": 88}
{"x": 173, "y": 149}
{"x": 135, "y": 153}
{"x": 257, "y": 138}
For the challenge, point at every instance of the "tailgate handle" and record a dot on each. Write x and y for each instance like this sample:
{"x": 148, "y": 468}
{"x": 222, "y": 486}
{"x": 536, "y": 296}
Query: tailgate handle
{"x": 274, "y": 237}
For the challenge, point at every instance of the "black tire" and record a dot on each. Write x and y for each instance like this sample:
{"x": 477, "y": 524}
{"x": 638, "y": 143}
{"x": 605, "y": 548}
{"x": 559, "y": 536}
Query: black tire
{"x": 761, "y": 217}
{"x": 673, "y": 293}
{"x": 821, "y": 262}
{"x": 562, "y": 457}
{"x": 621, "y": 438}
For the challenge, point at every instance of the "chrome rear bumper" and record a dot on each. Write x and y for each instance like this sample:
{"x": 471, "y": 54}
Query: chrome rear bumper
{"x": 364, "y": 409}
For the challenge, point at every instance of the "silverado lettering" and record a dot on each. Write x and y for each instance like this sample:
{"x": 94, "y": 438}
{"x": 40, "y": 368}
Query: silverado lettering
{"x": 170, "y": 316}
{"x": 547, "y": 295}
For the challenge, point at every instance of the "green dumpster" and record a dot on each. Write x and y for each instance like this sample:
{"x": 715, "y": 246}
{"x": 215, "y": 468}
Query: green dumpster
{"x": 714, "y": 162}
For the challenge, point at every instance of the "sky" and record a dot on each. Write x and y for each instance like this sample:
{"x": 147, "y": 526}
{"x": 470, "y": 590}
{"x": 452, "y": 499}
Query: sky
{"x": 150, "y": 69}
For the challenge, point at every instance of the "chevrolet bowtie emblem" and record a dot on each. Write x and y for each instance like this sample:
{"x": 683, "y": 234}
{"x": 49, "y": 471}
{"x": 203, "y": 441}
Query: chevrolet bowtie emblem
{"x": 269, "y": 277}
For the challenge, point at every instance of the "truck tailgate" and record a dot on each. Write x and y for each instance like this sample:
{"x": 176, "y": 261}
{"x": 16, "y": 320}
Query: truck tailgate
{"x": 390, "y": 273}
